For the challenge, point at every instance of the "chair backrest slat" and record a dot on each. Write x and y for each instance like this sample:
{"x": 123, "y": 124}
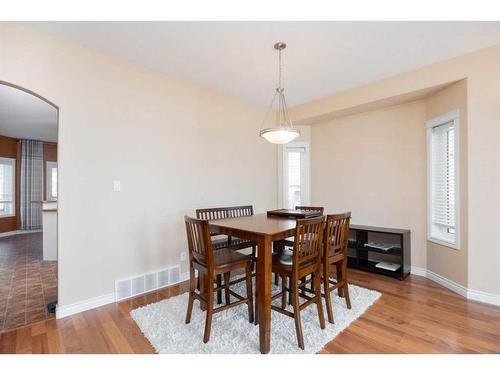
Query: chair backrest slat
{"x": 218, "y": 213}
{"x": 310, "y": 208}
{"x": 337, "y": 234}
{"x": 308, "y": 241}
{"x": 199, "y": 240}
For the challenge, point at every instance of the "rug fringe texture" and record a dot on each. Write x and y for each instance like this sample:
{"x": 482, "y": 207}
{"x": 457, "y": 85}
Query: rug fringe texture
{"x": 162, "y": 323}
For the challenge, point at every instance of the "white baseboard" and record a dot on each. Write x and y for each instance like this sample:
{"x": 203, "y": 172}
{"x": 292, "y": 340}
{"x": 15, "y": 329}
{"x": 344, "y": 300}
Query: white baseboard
{"x": 88, "y": 304}
{"x": 16, "y": 232}
{"x": 418, "y": 271}
{"x": 443, "y": 281}
{"x": 475, "y": 295}
{"x": 92, "y": 303}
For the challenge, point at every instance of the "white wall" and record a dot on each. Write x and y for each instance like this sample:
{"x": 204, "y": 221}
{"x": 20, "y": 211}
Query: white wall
{"x": 173, "y": 145}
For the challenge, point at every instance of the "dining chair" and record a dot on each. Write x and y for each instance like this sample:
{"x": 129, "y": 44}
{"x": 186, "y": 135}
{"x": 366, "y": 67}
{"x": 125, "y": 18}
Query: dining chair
{"x": 288, "y": 242}
{"x": 306, "y": 260}
{"x": 335, "y": 255}
{"x": 230, "y": 242}
{"x": 210, "y": 263}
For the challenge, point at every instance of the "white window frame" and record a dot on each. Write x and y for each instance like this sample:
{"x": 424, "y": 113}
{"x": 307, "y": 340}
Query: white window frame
{"x": 307, "y": 174}
{"x": 452, "y": 116}
{"x": 11, "y": 161}
{"x": 48, "y": 180}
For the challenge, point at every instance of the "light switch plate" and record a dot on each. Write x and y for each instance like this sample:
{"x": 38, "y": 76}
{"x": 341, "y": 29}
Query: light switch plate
{"x": 183, "y": 256}
{"x": 117, "y": 185}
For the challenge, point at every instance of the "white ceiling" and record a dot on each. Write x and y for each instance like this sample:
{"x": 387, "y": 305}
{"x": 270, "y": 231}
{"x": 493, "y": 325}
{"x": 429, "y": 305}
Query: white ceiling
{"x": 322, "y": 58}
{"x": 23, "y": 115}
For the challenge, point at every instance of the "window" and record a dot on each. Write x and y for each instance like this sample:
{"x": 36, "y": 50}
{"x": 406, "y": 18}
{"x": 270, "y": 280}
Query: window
{"x": 7, "y": 187}
{"x": 51, "y": 180}
{"x": 442, "y": 181}
{"x": 295, "y": 174}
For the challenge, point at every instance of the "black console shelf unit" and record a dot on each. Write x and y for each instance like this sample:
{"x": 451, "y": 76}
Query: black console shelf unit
{"x": 366, "y": 258}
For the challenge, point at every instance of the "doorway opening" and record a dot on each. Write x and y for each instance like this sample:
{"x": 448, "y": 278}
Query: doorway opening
{"x": 28, "y": 207}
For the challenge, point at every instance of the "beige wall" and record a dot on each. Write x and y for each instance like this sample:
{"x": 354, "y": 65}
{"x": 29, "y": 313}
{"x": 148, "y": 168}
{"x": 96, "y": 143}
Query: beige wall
{"x": 173, "y": 145}
{"x": 481, "y": 69}
{"x": 446, "y": 261}
{"x": 373, "y": 164}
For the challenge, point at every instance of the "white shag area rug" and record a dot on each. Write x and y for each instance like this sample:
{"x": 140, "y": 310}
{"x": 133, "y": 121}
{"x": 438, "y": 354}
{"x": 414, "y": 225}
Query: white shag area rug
{"x": 163, "y": 325}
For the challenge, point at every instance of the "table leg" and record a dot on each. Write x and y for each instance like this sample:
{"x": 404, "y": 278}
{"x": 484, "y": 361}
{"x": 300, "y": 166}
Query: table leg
{"x": 264, "y": 275}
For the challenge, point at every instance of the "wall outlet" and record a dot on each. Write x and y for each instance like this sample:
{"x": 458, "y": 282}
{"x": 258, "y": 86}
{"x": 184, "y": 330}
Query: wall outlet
{"x": 117, "y": 186}
{"x": 183, "y": 256}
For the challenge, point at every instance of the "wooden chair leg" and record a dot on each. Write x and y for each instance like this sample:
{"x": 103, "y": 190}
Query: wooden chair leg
{"x": 192, "y": 286}
{"x": 210, "y": 311}
{"x": 226, "y": 289}
{"x": 303, "y": 282}
{"x": 340, "y": 277}
{"x": 346, "y": 285}
{"x": 219, "y": 292}
{"x": 256, "y": 311}
{"x": 289, "y": 290}
{"x": 283, "y": 290}
{"x": 296, "y": 314}
{"x": 249, "y": 292}
{"x": 346, "y": 295}
{"x": 319, "y": 305}
{"x": 326, "y": 289}
{"x": 254, "y": 257}
{"x": 278, "y": 247}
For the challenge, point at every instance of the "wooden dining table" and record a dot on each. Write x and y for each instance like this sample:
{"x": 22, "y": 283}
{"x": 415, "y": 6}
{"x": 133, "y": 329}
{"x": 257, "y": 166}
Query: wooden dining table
{"x": 264, "y": 230}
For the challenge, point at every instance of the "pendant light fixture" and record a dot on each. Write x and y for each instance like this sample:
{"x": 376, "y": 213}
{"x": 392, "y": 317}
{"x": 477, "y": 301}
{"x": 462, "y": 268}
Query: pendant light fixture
{"x": 284, "y": 132}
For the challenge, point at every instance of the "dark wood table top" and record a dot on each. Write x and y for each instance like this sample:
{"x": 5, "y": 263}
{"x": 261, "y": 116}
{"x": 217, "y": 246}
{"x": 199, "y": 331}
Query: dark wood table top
{"x": 258, "y": 223}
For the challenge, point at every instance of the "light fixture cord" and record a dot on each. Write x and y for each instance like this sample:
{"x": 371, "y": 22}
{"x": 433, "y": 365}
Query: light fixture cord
{"x": 279, "y": 69}
{"x": 282, "y": 104}
{"x": 280, "y": 91}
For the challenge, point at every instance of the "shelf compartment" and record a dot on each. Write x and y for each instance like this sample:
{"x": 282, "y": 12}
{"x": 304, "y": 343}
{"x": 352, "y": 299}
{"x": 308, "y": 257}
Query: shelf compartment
{"x": 365, "y": 258}
{"x": 393, "y": 251}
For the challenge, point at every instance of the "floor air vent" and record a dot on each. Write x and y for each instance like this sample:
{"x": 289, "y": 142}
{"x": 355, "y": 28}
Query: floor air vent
{"x": 136, "y": 285}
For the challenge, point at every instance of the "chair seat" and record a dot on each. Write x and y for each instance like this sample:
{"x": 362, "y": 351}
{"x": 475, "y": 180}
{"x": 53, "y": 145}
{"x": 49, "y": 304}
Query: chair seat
{"x": 227, "y": 257}
{"x": 286, "y": 269}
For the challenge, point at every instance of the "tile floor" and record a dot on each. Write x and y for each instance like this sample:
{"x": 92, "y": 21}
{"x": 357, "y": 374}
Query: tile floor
{"x": 27, "y": 283}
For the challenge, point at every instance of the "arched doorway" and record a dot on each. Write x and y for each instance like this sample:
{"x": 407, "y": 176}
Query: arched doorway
{"x": 28, "y": 206}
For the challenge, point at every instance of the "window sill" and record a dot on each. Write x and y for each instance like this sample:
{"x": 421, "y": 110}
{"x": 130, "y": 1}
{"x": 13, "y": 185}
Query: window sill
{"x": 5, "y": 216}
{"x": 454, "y": 246}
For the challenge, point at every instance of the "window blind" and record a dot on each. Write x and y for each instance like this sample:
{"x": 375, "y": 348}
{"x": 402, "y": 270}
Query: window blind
{"x": 443, "y": 176}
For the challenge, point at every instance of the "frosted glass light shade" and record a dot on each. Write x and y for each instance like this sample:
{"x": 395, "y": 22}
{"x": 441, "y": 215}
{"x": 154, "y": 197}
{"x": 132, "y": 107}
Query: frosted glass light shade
{"x": 279, "y": 136}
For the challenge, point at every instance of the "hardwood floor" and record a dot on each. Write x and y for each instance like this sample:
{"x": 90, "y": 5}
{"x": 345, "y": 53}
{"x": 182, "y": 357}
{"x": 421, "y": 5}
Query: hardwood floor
{"x": 412, "y": 316}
